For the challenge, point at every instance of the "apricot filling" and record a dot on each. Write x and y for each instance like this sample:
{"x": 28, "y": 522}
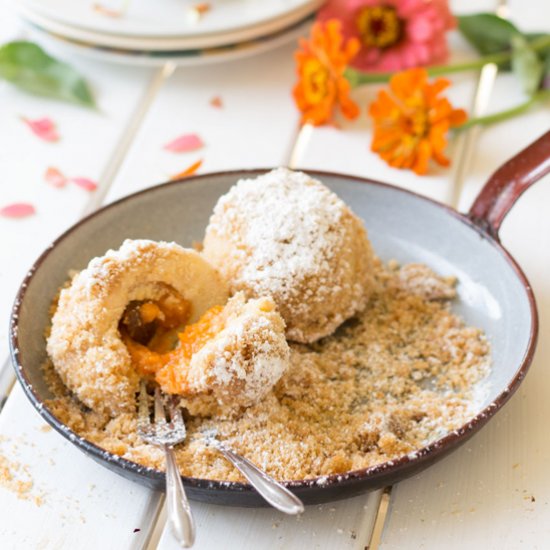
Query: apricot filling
{"x": 160, "y": 342}
{"x": 172, "y": 376}
{"x": 155, "y": 324}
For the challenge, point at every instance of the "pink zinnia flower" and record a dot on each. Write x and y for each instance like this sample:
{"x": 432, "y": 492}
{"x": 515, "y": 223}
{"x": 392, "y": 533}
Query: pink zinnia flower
{"x": 394, "y": 34}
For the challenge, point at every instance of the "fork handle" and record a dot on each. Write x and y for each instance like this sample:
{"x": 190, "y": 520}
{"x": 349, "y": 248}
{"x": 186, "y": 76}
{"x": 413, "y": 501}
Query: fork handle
{"x": 272, "y": 491}
{"x": 179, "y": 512}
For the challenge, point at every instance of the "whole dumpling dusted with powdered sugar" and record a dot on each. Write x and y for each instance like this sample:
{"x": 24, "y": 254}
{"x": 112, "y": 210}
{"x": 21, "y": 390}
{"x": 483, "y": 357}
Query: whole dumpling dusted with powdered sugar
{"x": 286, "y": 235}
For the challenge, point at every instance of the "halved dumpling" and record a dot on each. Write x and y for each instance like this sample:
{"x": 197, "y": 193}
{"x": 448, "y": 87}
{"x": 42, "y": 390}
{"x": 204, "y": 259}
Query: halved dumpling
{"x": 105, "y": 305}
{"x": 234, "y": 354}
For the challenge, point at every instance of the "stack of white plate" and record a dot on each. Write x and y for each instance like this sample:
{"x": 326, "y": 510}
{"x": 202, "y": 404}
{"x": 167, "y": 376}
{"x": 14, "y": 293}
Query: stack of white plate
{"x": 152, "y": 32}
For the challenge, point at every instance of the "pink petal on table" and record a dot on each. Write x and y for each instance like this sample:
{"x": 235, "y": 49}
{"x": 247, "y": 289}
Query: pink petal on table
{"x": 85, "y": 183}
{"x": 44, "y": 128}
{"x": 217, "y": 102}
{"x": 187, "y": 142}
{"x": 55, "y": 177}
{"x": 17, "y": 210}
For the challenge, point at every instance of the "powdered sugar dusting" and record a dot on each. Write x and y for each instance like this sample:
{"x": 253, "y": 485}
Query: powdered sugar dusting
{"x": 245, "y": 360}
{"x": 286, "y": 235}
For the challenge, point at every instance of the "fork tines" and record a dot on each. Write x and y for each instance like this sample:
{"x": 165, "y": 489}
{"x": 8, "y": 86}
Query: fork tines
{"x": 161, "y": 431}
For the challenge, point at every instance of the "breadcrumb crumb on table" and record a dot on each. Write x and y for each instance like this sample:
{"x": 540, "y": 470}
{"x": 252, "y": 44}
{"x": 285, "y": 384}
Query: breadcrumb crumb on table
{"x": 16, "y": 478}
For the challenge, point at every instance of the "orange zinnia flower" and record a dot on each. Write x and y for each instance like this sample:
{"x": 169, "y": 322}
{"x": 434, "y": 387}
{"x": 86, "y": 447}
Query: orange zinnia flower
{"x": 411, "y": 123}
{"x": 322, "y": 87}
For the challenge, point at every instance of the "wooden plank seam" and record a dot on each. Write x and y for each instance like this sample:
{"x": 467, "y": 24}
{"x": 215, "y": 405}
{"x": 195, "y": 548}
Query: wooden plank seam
{"x": 463, "y": 158}
{"x": 7, "y": 376}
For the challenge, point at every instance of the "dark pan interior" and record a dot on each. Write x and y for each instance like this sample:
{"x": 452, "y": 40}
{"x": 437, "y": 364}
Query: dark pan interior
{"x": 401, "y": 225}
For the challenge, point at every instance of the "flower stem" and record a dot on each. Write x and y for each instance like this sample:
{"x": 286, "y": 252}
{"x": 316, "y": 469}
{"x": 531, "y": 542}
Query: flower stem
{"x": 357, "y": 78}
{"x": 506, "y": 114}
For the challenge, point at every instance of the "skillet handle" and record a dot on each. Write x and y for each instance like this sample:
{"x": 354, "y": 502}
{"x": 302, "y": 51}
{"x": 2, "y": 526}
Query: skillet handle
{"x": 508, "y": 183}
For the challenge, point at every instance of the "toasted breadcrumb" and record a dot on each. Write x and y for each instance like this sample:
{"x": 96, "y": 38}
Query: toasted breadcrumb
{"x": 403, "y": 373}
{"x": 16, "y": 477}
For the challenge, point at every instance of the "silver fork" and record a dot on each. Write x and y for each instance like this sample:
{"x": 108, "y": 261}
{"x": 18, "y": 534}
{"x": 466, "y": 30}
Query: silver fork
{"x": 271, "y": 490}
{"x": 167, "y": 434}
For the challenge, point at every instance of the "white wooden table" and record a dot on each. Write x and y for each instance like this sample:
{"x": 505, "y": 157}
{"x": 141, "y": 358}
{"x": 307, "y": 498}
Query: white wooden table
{"x": 492, "y": 493}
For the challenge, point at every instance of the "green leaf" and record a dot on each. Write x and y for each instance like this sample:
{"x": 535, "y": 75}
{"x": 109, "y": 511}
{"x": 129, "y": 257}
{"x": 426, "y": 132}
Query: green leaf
{"x": 29, "y": 67}
{"x": 534, "y": 37}
{"x": 545, "y": 84}
{"x": 526, "y": 64}
{"x": 530, "y": 36}
{"x": 487, "y": 32}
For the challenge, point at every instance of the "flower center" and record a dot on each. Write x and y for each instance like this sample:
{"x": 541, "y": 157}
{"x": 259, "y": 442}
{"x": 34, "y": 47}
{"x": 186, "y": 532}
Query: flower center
{"x": 316, "y": 79}
{"x": 379, "y": 26}
{"x": 419, "y": 123}
{"x": 154, "y": 324}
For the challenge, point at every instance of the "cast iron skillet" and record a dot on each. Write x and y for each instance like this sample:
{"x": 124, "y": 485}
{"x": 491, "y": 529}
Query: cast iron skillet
{"x": 494, "y": 294}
